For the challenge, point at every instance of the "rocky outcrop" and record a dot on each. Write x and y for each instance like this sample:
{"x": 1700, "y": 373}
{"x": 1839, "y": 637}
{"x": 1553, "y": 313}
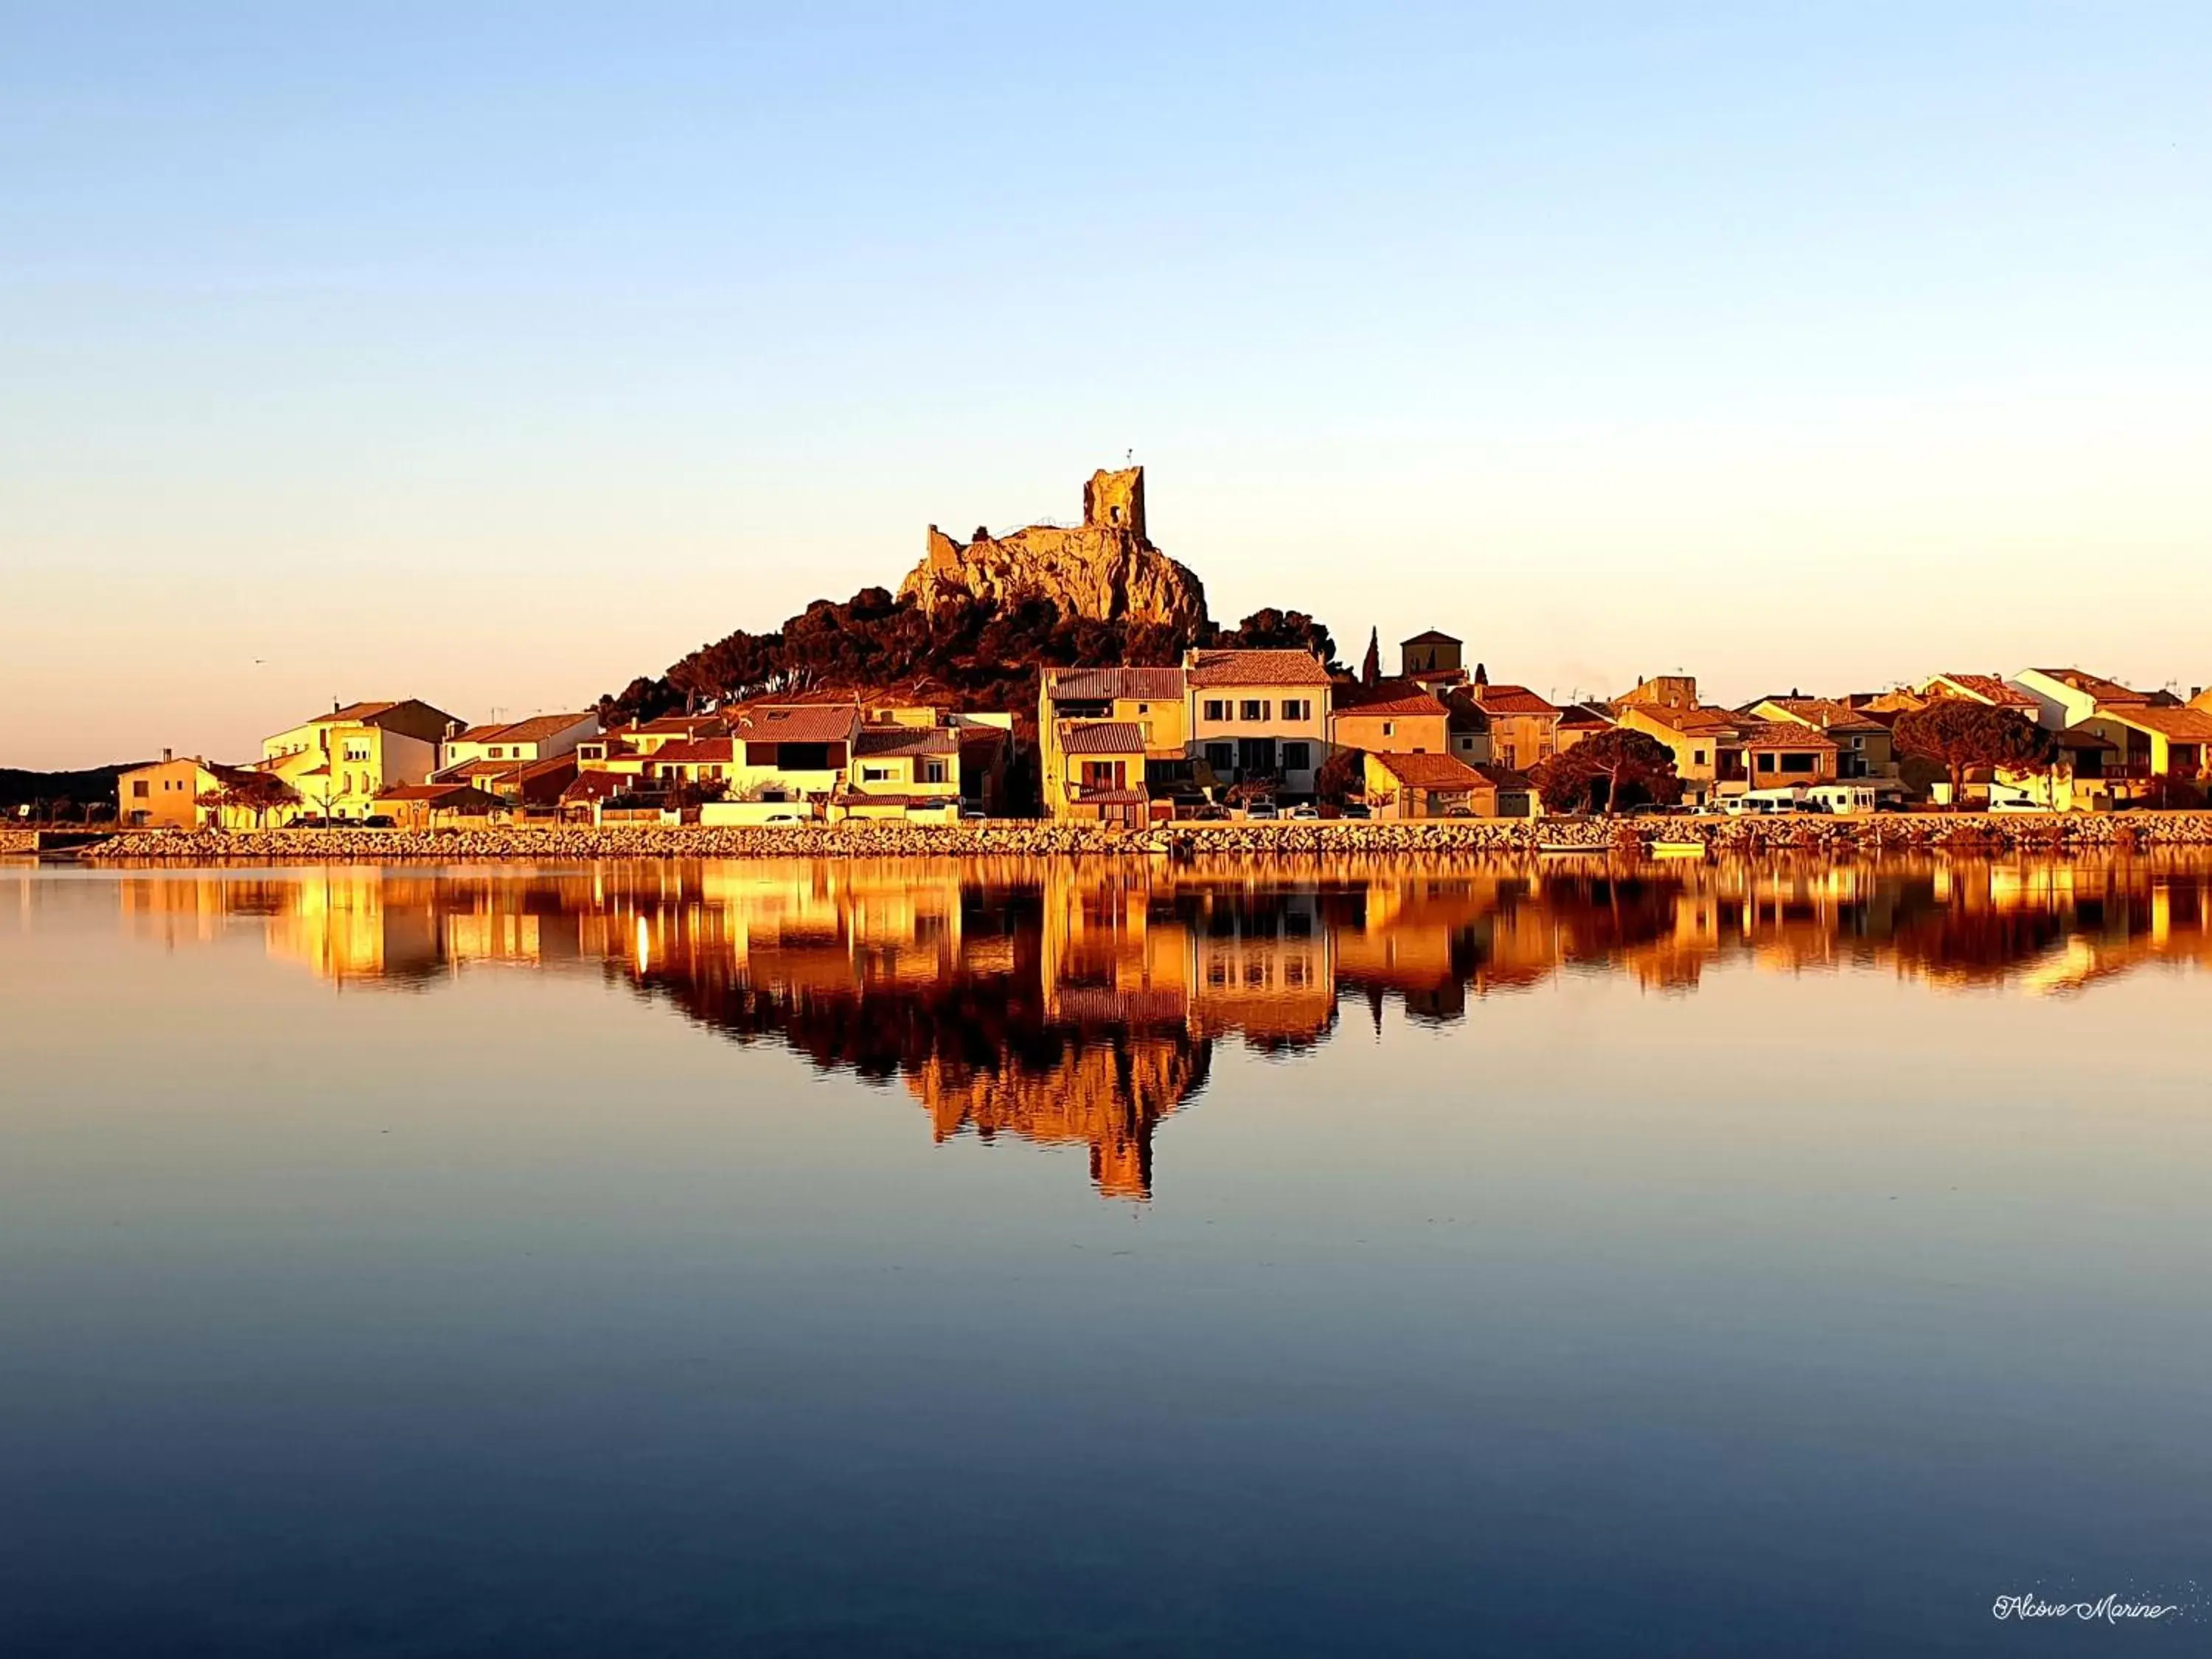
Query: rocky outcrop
{"x": 1107, "y": 568}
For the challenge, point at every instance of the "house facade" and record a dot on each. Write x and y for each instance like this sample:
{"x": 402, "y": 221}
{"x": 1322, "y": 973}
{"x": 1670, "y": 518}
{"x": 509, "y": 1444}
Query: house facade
{"x": 1394, "y": 717}
{"x": 168, "y": 793}
{"x": 337, "y": 763}
{"x": 1153, "y": 700}
{"x": 1524, "y": 727}
{"x": 1258, "y": 717}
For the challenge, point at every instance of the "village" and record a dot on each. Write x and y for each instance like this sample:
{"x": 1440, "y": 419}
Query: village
{"x": 1248, "y": 735}
{"x": 1221, "y": 731}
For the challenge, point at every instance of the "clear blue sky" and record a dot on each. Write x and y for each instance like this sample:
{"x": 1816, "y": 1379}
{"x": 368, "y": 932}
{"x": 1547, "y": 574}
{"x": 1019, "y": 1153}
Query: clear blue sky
{"x": 492, "y": 354}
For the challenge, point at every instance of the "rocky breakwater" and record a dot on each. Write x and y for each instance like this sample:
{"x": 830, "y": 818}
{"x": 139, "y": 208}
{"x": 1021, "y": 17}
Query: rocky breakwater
{"x": 15, "y": 841}
{"x": 1842, "y": 837}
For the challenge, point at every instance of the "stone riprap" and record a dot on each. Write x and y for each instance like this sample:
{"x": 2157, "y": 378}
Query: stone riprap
{"x": 1035, "y": 839}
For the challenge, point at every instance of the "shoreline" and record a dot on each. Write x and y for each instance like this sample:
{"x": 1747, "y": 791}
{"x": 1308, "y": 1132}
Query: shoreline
{"x": 1036, "y": 838}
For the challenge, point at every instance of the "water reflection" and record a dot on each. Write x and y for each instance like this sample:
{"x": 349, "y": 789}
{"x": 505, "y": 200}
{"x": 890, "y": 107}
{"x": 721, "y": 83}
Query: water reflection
{"x": 1079, "y": 1002}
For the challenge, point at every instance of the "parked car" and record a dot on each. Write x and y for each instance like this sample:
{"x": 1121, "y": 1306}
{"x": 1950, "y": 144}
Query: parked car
{"x": 1305, "y": 811}
{"x": 1357, "y": 809}
{"x": 1261, "y": 810}
{"x": 377, "y": 821}
{"x": 786, "y": 817}
{"x": 974, "y": 815}
{"x": 1209, "y": 813}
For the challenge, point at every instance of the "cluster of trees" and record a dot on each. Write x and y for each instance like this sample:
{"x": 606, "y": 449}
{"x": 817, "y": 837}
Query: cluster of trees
{"x": 1958, "y": 734}
{"x": 1609, "y": 771}
{"x": 975, "y": 655}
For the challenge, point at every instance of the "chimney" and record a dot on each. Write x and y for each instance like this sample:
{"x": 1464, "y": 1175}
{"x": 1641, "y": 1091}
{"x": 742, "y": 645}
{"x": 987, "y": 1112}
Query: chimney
{"x": 168, "y": 754}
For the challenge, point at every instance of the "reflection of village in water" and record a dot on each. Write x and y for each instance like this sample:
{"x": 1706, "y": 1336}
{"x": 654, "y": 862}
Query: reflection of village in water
{"x": 1071, "y": 1002}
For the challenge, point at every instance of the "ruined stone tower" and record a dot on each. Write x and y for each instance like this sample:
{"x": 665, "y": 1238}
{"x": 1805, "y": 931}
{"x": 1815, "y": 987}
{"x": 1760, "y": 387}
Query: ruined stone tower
{"x": 1106, "y": 568}
{"x": 1115, "y": 500}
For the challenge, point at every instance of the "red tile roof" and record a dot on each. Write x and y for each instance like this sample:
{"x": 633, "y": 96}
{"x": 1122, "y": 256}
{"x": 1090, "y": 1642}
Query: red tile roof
{"x": 708, "y": 751}
{"x": 1505, "y": 777}
{"x": 1428, "y": 771}
{"x": 2183, "y": 724}
{"x": 1387, "y": 697}
{"x": 1257, "y": 668}
{"x": 1102, "y": 738}
{"x": 1512, "y": 700}
{"x": 1784, "y": 734}
{"x": 1110, "y": 685}
{"x": 1991, "y": 688}
{"x": 1431, "y": 636}
{"x": 817, "y": 723}
{"x": 877, "y": 742}
{"x": 433, "y": 792}
{"x": 2096, "y": 685}
{"x": 538, "y": 728}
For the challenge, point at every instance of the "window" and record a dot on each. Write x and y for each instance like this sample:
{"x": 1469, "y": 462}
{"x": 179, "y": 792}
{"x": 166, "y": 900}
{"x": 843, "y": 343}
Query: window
{"x": 1252, "y": 710}
{"x": 1767, "y": 763}
{"x": 1297, "y": 757}
{"x": 138, "y": 790}
{"x": 1389, "y": 728}
{"x": 933, "y": 771}
{"x": 1143, "y": 708}
{"x": 1300, "y": 709}
{"x": 1797, "y": 764}
{"x": 1220, "y": 755}
{"x": 875, "y": 774}
{"x": 1215, "y": 709}
{"x": 1697, "y": 757}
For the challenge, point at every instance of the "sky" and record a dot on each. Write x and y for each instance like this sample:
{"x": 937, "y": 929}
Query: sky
{"x": 495, "y": 354}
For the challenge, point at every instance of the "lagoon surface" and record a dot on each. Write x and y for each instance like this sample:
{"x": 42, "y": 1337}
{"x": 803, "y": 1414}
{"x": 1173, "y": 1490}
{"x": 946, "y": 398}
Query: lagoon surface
{"x": 1552, "y": 1257}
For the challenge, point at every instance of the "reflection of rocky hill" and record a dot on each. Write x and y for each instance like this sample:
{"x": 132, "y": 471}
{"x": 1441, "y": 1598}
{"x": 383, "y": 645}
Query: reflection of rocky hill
{"x": 1080, "y": 1001}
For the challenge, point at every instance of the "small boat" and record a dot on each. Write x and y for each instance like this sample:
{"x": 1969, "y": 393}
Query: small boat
{"x": 1572, "y": 847}
{"x": 1678, "y": 849}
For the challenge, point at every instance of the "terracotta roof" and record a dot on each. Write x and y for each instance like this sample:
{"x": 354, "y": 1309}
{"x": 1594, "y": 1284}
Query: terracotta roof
{"x": 1431, "y": 636}
{"x": 1428, "y": 771}
{"x": 1828, "y": 714}
{"x": 1512, "y": 700}
{"x": 2096, "y": 685}
{"x": 1992, "y": 689}
{"x": 1387, "y": 697}
{"x": 1257, "y": 668}
{"x": 537, "y": 729}
{"x": 877, "y": 742}
{"x": 2081, "y": 737}
{"x": 1586, "y": 714}
{"x": 1102, "y": 738}
{"x": 466, "y": 771}
{"x": 696, "y": 751}
{"x": 2184, "y": 724}
{"x": 818, "y": 723}
{"x": 1505, "y": 776}
{"x": 1109, "y": 684}
{"x": 1112, "y": 797}
{"x": 1785, "y": 734}
{"x": 689, "y": 725}
{"x": 1701, "y": 721}
{"x": 352, "y": 711}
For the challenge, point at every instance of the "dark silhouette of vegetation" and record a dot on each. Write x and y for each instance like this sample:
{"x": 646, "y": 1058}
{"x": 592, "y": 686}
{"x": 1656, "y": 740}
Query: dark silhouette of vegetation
{"x": 1342, "y": 776}
{"x": 1957, "y": 734}
{"x": 1609, "y": 771}
{"x": 971, "y": 656}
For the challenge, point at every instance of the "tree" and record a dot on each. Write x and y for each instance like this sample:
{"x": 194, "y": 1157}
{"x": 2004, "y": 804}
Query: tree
{"x": 258, "y": 792}
{"x": 1607, "y": 771}
{"x": 1270, "y": 629}
{"x": 1370, "y": 666}
{"x": 1957, "y": 734}
{"x": 1342, "y": 776}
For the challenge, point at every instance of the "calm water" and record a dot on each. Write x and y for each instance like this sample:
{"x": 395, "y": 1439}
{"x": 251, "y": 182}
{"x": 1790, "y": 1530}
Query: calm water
{"x": 763, "y": 1258}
